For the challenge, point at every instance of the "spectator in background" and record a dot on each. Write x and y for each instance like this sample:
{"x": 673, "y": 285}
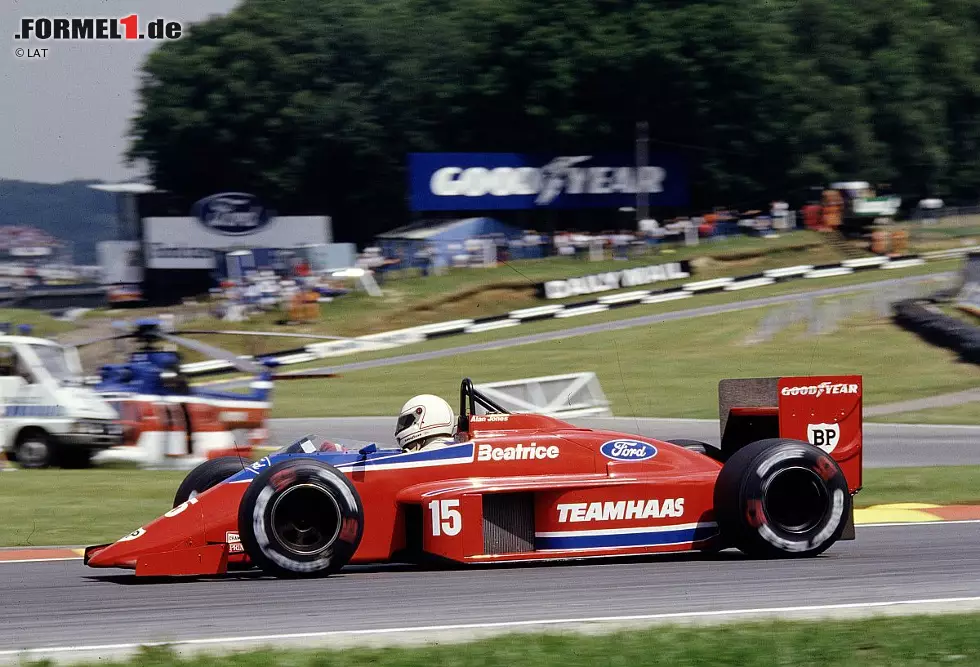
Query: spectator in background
{"x": 779, "y": 210}
{"x": 812, "y": 216}
{"x": 620, "y": 243}
{"x": 649, "y": 230}
{"x": 930, "y": 208}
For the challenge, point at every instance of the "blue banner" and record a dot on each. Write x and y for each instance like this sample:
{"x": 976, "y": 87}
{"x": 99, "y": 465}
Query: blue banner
{"x": 485, "y": 181}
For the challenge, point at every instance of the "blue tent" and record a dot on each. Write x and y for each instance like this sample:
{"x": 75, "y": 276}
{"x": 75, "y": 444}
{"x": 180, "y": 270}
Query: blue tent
{"x": 444, "y": 239}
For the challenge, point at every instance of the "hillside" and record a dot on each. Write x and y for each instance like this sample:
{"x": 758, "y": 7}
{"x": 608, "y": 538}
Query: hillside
{"x": 70, "y": 211}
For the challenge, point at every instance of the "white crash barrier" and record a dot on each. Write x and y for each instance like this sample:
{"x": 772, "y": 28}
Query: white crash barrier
{"x": 560, "y": 396}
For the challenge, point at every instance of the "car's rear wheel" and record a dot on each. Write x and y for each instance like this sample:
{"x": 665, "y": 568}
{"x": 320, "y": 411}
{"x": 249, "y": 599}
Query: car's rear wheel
{"x": 301, "y": 518}
{"x": 781, "y": 498}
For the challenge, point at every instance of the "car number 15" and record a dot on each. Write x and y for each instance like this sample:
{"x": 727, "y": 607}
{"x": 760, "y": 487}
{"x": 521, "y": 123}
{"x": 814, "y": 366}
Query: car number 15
{"x": 445, "y": 518}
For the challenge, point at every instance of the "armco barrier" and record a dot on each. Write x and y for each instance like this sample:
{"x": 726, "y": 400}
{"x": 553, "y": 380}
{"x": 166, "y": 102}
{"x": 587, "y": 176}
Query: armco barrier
{"x": 939, "y": 329}
{"x": 392, "y": 339}
{"x": 968, "y": 296}
{"x": 922, "y": 317}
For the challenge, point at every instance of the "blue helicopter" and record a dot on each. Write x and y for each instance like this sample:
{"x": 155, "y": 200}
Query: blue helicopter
{"x": 157, "y": 403}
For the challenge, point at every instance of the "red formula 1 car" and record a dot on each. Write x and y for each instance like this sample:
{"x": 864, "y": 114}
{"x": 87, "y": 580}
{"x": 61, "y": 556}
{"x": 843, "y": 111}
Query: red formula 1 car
{"x": 521, "y": 487}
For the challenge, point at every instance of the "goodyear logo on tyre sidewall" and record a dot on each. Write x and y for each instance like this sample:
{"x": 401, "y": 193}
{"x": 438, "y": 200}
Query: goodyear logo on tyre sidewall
{"x": 628, "y": 450}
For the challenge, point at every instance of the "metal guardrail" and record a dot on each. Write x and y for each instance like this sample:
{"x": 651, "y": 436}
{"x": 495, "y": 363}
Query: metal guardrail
{"x": 822, "y": 315}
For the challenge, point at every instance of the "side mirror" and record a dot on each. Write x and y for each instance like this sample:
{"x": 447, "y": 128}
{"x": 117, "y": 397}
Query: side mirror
{"x": 368, "y": 449}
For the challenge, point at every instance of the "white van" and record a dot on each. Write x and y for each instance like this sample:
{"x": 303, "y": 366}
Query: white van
{"x": 47, "y": 416}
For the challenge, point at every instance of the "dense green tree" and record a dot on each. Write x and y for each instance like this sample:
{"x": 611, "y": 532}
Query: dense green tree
{"x": 313, "y": 104}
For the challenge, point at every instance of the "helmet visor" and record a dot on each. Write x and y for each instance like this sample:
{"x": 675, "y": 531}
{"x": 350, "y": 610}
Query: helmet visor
{"x": 405, "y": 421}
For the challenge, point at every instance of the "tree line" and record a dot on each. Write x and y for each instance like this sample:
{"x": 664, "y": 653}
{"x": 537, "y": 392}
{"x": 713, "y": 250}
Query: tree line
{"x": 314, "y": 104}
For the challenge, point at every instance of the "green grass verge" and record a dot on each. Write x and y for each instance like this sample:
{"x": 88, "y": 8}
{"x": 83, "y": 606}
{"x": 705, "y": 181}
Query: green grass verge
{"x": 879, "y": 642}
{"x": 50, "y": 507}
{"x": 42, "y": 324}
{"x": 940, "y": 485}
{"x": 967, "y": 413}
{"x": 77, "y": 507}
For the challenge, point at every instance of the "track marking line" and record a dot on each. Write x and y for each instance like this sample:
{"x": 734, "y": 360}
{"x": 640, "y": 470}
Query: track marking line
{"x": 39, "y": 560}
{"x": 500, "y": 625}
{"x": 897, "y": 425}
{"x": 916, "y": 523}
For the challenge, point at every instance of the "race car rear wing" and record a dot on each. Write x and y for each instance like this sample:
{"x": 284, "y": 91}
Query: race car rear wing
{"x": 825, "y": 411}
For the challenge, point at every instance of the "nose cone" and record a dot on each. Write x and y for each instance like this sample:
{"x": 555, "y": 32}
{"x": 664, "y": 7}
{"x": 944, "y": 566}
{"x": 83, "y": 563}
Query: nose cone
{"x": 180, "y": 528}
{"x": 109, "y": 555}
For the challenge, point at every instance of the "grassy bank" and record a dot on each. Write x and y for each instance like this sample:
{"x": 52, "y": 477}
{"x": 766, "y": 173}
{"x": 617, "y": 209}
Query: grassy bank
{"x": 51, "y": 507}
{"x": 879, "y": 642}
{"x": 264, "y": 345}
{"x": 669, "y": 369}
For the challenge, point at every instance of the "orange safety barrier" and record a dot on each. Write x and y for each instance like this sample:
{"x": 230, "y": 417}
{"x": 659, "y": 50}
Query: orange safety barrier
{"x": 900, "y": 241}
{"x": 880, "y": 242}
{"x": 305, "y": 306}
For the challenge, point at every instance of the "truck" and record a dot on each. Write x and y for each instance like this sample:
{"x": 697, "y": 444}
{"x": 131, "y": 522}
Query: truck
{"x": 863, "y": 207}
{"x": 48, "y": 417}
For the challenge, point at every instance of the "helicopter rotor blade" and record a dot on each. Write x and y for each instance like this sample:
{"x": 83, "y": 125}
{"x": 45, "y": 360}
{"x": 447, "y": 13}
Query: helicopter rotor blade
{"x": 280, "y": 334}
{"x": 102, "y": 339}
{"x": 243, "y": 365}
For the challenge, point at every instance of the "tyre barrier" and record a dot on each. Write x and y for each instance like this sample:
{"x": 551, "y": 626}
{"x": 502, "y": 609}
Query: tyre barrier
{"x": 936, "y": 327}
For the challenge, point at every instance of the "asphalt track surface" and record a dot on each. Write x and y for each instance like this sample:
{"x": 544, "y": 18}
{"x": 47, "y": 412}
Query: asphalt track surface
{"x": 63, "y": 603}
{"x": 885, "y": 445}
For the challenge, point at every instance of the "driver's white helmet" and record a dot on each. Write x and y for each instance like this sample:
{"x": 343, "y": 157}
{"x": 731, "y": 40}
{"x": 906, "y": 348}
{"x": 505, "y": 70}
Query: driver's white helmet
{"x": 424, "y": 416}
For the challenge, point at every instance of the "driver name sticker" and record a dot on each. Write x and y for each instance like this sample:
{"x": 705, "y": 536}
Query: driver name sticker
{"x": 489, "y": 418}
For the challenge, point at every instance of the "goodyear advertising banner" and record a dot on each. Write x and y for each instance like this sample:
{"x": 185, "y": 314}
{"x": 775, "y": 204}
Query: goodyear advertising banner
{"x": 484, "y": 181}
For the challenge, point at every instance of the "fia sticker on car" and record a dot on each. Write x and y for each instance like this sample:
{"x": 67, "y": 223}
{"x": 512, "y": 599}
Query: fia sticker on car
{"x": 628, "y": 450}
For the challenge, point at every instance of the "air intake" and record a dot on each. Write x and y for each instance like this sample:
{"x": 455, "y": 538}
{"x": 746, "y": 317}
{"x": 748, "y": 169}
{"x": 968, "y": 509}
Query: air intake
{"x": 508, "y": 523}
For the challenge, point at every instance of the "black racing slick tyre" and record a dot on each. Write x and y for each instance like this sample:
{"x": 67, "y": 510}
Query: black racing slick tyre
{"x": 705, "y": 448}
{"x": 206, "y": 475}
{"x": 301, "y": 518}
{"x": 779, "y": 498}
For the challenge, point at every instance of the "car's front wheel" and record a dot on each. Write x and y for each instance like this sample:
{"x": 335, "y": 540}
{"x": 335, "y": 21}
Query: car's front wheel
{"x": 301, "y": 517}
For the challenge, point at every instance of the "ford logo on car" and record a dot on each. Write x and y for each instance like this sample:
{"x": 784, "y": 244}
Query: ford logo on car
{"x": 231, "y": 213}
{"x": 628, "y": 450}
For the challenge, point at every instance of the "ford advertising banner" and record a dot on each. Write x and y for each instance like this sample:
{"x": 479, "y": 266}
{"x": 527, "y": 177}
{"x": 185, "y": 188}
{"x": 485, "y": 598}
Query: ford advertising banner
{"x": 484, "y": 181}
